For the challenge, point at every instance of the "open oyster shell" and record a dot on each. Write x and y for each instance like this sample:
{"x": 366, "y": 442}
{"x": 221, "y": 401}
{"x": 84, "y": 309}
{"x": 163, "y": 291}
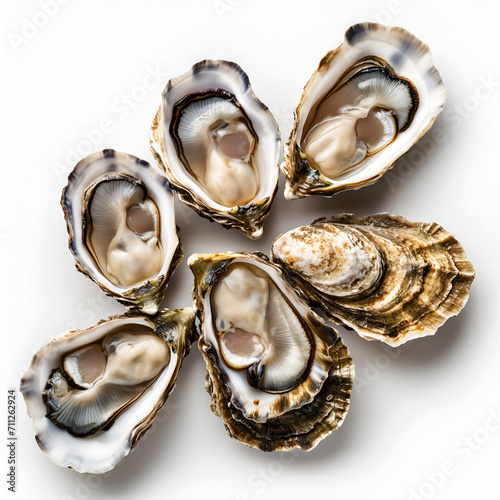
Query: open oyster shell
{"x": 367, "y": 103}
{"x": 278, "y": 377}
{"x": 121, "y": 223}
{"x": 385, "y": 277}
{"x": 93, "y": 393}
{"x": 218, "y": 145}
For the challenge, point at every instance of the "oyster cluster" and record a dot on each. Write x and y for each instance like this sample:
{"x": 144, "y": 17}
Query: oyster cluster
{"x": 93, "y": 393}
{"x": 278, "y": 376}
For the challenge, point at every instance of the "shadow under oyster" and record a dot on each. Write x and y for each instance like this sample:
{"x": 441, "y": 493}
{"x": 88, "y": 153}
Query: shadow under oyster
{"x": 385, "y": 277}
{"x": 278, "y": 376}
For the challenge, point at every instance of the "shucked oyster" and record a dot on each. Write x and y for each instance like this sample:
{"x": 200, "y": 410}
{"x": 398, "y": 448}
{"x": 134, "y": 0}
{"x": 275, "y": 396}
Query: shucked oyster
{"x": 93, "y": 393}
{"x": 367, "y": 103}
{"x": 219, "y": 145}
{"x": 386, "y": 277}
{"x": 97, "y": 382}
{"x": 121, "y": 224}
{"x": 278, "y": 376}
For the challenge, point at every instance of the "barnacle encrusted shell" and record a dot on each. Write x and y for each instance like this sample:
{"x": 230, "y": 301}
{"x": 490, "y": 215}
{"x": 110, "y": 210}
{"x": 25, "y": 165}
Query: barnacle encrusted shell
{"x": 218, "y": 145}
{"x": 367, "y": 103}
{"x": 278, "y": 377}
{"x": 58, "y": 402}
{"x": 385, "y": 277}
{"x": 121, "y": 224}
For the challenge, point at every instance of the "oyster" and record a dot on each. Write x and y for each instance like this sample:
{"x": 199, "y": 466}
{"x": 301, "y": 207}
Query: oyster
{"x": 121, "y": 223}
{"x": 93, "y": 393}
{"x": 367, "y": 103}
{"x": 218, "y": 145}
{"x": 277, "y": 375}
{"x": 385, "y": 277}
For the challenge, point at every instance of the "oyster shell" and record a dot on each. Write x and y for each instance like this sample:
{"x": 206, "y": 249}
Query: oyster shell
{"x": 367, "y": 103}
{"x": 218, "y": 145}
{"x": 93, "y": 393}
{"x": 277, "y": 375}
{"x": 385, "y": 277}
{"x": 121, "y": 223}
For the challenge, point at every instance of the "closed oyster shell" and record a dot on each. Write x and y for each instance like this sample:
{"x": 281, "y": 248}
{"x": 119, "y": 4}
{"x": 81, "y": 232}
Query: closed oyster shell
{"x": 218, "y": 145}
{"x": 367, "y": 103}
{"x": 99, "y": 450}
{"x": 288, "y": 394}
{"x": 387, "y": 278}
{"x": 121, "y": 225}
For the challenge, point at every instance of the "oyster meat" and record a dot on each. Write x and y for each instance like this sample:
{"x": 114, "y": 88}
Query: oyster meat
{"x": 278, "y": 376}
{"x": 93, "y": 393}
{"x": 121, "y": 224}
{"x": 218, "y": 145}
{"x": 367, "y": 103}
{"x": 385, "y": 277}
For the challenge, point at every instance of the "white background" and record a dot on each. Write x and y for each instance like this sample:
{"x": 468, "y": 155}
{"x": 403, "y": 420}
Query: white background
{"x": 415, "y": 410}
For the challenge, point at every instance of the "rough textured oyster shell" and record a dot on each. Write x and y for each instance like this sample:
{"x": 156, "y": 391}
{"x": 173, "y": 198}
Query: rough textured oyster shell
{"x": 379, "y": 79}
{"x": 202, "y": 105}
{"x": 97, "y": 181}
{"x": 101, "y": 450}
{"x": 385, "y": 277}
{"x": 299, "y": 414}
